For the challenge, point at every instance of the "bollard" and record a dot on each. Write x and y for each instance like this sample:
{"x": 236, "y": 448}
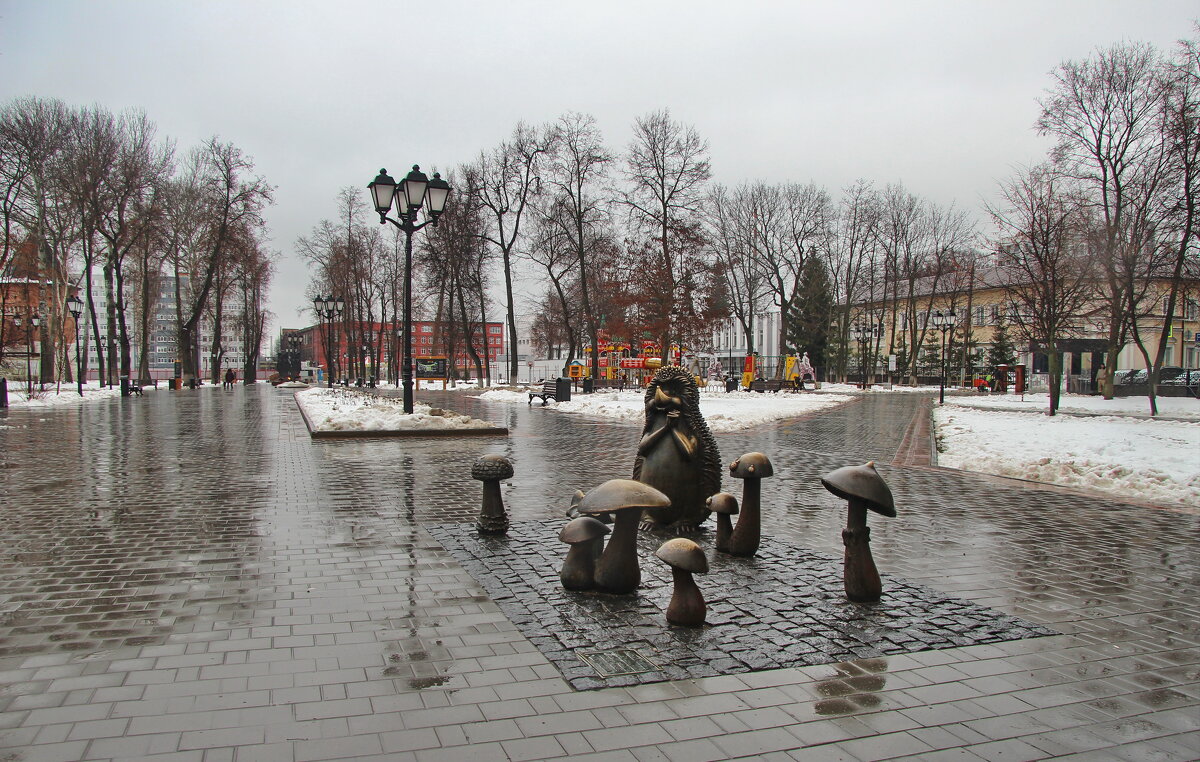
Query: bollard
{"x": 491, "y": 470}
{"x": 3, "y": 392}
{"x": 864, "y": 489}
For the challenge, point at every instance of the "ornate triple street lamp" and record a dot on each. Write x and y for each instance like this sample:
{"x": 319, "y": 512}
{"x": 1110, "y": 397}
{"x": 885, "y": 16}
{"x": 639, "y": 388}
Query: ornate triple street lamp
{"x": 328, "y": 308}
{"x": 409, "y": 196}
{"x": 75, "y": 307}
{"x": 945, "y": 323}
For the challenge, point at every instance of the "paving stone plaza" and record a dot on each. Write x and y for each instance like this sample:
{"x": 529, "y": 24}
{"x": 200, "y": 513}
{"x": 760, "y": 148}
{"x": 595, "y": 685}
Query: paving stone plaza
{"x": 190, "y": 576}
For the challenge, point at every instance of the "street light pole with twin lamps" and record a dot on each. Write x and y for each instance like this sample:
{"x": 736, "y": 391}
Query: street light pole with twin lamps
{"x": 944, "y": 323}
{"x": 408, "y": 197}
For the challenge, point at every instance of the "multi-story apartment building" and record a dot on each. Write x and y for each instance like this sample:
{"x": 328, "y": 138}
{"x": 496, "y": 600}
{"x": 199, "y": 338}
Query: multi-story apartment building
{"x": 162, "y": 351}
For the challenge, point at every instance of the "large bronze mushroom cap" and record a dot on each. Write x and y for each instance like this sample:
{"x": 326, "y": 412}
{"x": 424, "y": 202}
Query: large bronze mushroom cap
{"x": 723, "y": 502}
{"x": 582, "y": 529}
{"x": 684, "y": 554}
{"x": 752, "y": 465}
{"x": 492, "y": 468}
{"x": 861, "y": 483}
{"x": 622, "y": 494}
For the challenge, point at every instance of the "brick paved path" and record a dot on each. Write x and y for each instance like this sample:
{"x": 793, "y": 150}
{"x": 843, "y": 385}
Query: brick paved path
{"x": 189, "y": 576}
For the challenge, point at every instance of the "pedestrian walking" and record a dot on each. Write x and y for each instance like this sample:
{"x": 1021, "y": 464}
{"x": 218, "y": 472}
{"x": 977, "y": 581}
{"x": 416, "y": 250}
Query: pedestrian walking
{"x": 230, "y": 377}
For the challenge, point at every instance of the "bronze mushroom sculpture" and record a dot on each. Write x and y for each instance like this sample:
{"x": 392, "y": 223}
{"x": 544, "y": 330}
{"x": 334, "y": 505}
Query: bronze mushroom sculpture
{"x": 864, "y": 489}
{"x": 585, "y": 535}
{"x": 687, "y": 607}
{"x": 724, "y": 505}
{"x": 491, "y": 470}
{"x": 617, "y": 571}
{"x": 751, "y": 468}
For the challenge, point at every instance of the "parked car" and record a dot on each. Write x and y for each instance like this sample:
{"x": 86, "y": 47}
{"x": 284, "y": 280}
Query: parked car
{"x": 1127, "y": 377}
{"x": 1175, "y": 376}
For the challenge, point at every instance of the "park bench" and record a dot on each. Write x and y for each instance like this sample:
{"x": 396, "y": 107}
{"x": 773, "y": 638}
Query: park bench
{"x": 766, "y": 385}
{"x": 548, "y": 390}
{"x": 135, "y": 389}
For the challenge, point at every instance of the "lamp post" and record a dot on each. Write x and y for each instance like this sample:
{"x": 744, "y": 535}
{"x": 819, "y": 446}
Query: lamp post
{"x": 866, "y": 333}
{"x": 408, "y": 196}
{"x": 35, "y": 321}
{"x": 857, "y": 334}
{"x": 75, "y": 307}
{"x": 328, "y": 308}
{"x": 29, "y": 324}
{"x": 944, "y": 323}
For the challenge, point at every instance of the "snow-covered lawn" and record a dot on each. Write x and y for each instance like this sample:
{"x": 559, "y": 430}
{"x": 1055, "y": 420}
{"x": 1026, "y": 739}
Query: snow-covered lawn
{"x": 1115, "y": 449}
{"x": 353, "y": 410}
{"x": 722, "y": 411}
{"x": 62, "y": 396}
{"x": 1142, "y": 459}
{"x": 1174, "y": 407}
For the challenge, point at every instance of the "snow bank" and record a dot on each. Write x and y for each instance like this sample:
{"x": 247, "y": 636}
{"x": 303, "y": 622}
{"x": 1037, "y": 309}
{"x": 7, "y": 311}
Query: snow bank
{"x": 352, "y": 410}
{"x": 723, "y": 412}
{"x": 1147, "y": 460}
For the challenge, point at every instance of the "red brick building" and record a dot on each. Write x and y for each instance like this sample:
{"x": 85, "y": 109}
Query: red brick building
{"x": 374, "y": 349}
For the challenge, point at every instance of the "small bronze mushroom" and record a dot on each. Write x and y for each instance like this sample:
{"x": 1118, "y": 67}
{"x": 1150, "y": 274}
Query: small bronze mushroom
{"x": 864, "y": 489}
{"x": 724, "y": 505}
{"x": 585, "y": 535}
{"x": 491, "y": 470}
{"x": 751, "y": 468}
{"x": 687, "y": 607}
{"x": 617, "y": 571}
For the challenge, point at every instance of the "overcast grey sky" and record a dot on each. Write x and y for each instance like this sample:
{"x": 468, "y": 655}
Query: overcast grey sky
{"x": 939, "y": 95}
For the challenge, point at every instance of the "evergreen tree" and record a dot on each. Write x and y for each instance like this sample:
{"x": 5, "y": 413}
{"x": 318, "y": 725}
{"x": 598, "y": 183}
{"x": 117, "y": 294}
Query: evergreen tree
{"x": 1001, "y": 351}
{"x": 812, "y": 309}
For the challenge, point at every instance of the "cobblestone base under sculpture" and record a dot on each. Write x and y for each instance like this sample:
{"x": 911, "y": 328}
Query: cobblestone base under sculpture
{"x": 783, "y": 608}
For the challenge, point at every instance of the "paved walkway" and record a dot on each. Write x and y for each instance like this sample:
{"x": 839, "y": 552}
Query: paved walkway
{"x": 189, "y": 576}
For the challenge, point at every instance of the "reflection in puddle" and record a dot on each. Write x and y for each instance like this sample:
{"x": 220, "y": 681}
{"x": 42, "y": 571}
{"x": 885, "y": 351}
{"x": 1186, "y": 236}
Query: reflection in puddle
{"x": 855, "y": 690}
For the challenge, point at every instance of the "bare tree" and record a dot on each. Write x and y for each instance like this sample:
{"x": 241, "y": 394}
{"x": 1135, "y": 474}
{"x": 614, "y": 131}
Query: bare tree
{"x": 666, "y": 169}
{"x": 854, "y": 241}
{"x": 577, "y": 171}
{"x": 126, "y": 209}
{"x": 551, "y": 249}
{"x": 1103, "y": 114}
{"x": 231, "y": 201}
{"x": 507, "y": 185}
{"x": 455, "y": 253}
{"x": 255, "y": 268}
{"x": 36, "y": 132}
{"x": 730, "y": 236}
{"x": 1177, "y": 239}
{"x": 1049, "y": 282}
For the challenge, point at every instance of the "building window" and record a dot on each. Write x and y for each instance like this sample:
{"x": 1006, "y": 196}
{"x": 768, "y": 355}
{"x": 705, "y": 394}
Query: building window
{"x": 495, "y": 330}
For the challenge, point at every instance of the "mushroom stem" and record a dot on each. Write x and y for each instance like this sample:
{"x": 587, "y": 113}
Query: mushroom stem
{"x": 724, "y": 532}
{"x": 579, "y": 568}
{"x": 492, "y": 518}
{"x": 687, "y": 607}
{"x": 748, "y": 532}
{"x": 618, "y": 570}
{"x": 861, "y": 578}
